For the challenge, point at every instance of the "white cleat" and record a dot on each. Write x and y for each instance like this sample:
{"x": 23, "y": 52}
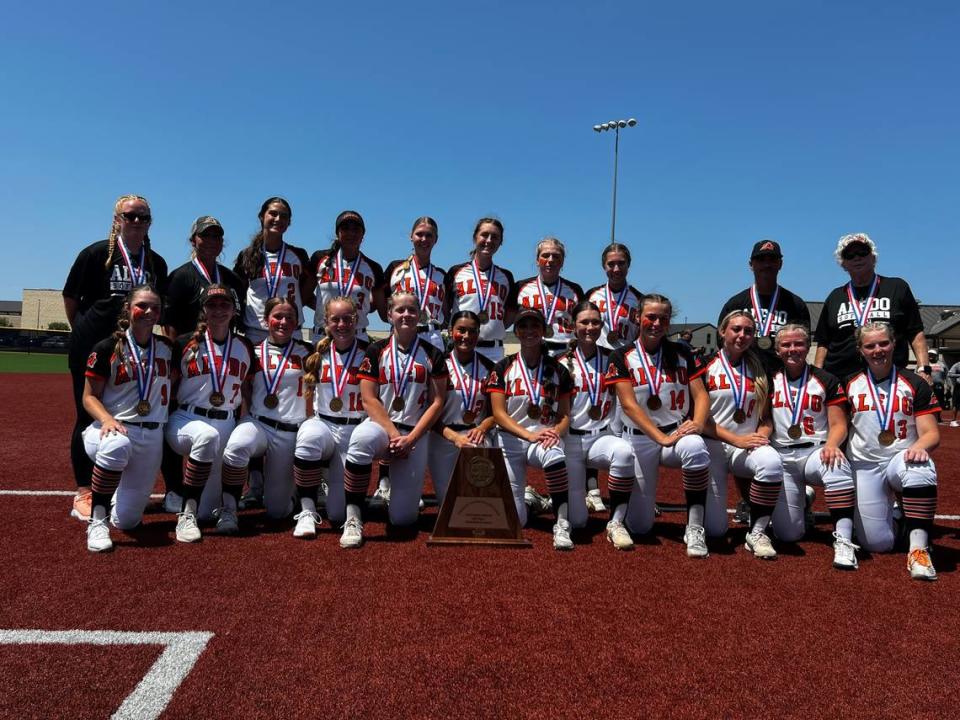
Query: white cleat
{"x": 352, "y": 536}
{"x": 595, "y": 502}
{"x": 844, "y": 553}
{"x": 98, "y": 536}
{"x": 537, "y": 503}
{"x": 695, "y": 538}
{"x": 307, "y": 522}
{"x": 618, "y": 535}
{"x": 187, "y": 529}
{"x": 759, "y": 544}
{"x": 920, "y": 565}
{"x": 380, "y": 498}
{"x": 561, "y": 536}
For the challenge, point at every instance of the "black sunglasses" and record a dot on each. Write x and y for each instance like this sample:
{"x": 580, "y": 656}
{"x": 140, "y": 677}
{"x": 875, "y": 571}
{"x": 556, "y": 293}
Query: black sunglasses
{"x": 855, "y": 253}
{"x": 135, "y": 216}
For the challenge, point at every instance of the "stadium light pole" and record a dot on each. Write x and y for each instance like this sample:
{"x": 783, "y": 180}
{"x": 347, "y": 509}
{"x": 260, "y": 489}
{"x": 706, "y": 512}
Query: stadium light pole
{"x": 616, "y": 126}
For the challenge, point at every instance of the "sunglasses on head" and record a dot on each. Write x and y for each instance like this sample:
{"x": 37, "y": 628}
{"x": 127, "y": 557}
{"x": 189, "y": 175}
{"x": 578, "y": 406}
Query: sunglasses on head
{"x": 135, "y": 217}
{"x": 858, "y": 252}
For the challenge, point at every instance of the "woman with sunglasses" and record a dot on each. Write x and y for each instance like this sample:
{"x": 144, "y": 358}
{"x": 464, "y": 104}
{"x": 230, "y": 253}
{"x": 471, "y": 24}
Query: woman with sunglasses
{"x": 867, "y": 297}
{"x": 333, "y": 386}
{"x": 618, "y": 300}
{"x": 530, "y": 399}
{"x": 418, "y": 275}
{"x": 739, "y": 429}
{"x": 893, "y": 430}
{"x": 99, "y": 282}
{"x": 127, "y": 393}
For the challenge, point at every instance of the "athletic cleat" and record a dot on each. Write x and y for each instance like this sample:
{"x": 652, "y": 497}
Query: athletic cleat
{"x": 695, "y": 538}
{"x": 253, "y": 499}
{"x": 187, "y": 529}
{"x": 172, "y": 502}
{"x": 954, "y": 423}
{"x": 537, "y": 503}
{"x": 380, "y": 498}
{"x": 82, "y": 504}
{"x": 742, "y": 513}
{"x": 595, "y": 502}
{"x": 227, "y": 523}
{"x": 98, "y": 536}
{"x": 844, "y": 553}
{"x": 352, "y": 536}
{"x": 920, "y": 565}
{"x": 561, "y": 536}
{"x": 759, "y": 544}
{"x": 307, "y": 522}
{"x": 618, "y": 535}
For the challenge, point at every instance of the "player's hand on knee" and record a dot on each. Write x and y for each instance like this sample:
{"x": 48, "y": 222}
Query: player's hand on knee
{"x": 832, "y": 457}
{"x": 916, "y": 455}
{"x": 112, "y": 426}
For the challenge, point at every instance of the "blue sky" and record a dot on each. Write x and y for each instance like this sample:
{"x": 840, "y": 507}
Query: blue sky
{"x": 799, "y": 122}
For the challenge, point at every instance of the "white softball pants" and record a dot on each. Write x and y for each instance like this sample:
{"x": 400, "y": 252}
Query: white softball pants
{"x": 251, "y": 438}
{"x": 763, "y": 464}
{"x": 802, "y": 467}
{"x": 601, "y": 452}
{"x": 519, "y": 454}
{"x": 318, "y": 439}
{"x": 203, "y": 440}
{"x": 137, "y": 455}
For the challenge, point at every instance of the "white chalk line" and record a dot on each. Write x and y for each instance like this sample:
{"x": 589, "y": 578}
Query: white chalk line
{"x": 154, "y": 691}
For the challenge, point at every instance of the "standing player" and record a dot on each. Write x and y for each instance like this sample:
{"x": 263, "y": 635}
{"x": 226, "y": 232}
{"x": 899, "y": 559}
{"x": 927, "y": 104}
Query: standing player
{"x": 277, "y": 407}
{"x": 664, "y": 411}
{"x": 530, "y": 399}
{"x": 740, "y": 427}
{"x": 465, "y": 421}
{"x": 894, "y": 430}
{"x": 333, "y": 386}
{"x": 809, "y": 427}
{"x": 484, "y": 288}
{"x": 344, "y": 271}
{"x": 619, "y": 302}
{"x": 416, "y": 274}
{"x": 589, "y": 442}
{"x": 214, "y": 367}
{"x": 101, "y": 278}
{"x": 403, "y": 383}
{"x": 551, "y": 294}
{"x": 127, "y": 392}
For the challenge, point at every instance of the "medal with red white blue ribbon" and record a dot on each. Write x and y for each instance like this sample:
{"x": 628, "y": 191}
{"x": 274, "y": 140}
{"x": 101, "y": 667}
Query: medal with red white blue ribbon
{"x": 794, "y": 432}
{"x": 203, "y": 271}
{"x": 764, "y": 317}
{"x": 860, "y": 316}
{"x": 884, "y": 412}
{"x": 654, "y": 375}
{"x": 549, "y": 310}
{"x": 738, "y": 385}
{"x": 401, "y": 375}
{"x": 144, "y": 376}
{"x": 483, "y": 297}
{"x": 422, "y": 292}
{"x": 468, "y": 391}
{"x": 613, "y": 311}
{"x": 339, "y": 375}
{"x": 344, "y": 288}
{"x": 593, "y": 380}
{"x": 138, "y": 275}
{"x": 532, "y": 390}
{"x": 272, "y": 382}
{"x": 273, "y": 278}
{"x": 218, "y": 375}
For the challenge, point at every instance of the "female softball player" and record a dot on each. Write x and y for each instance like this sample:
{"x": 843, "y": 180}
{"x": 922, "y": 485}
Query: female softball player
{"x": 418, "y": 275}
{"x": 551, "y": 294}
{"x": 484, "y": 288}
{"x": 127, "y": 393}
{"x": 664, "y": 410}
{"x": 894, "y": 417}
{"x": 101, "y": 278}
{"x": 403, "y": 383}
{"x": 214, "y": 368}
{"x": 277, "y": 407}
{"x": 530, "y": 400}
{"x": 808, "y": 407}
{"x": 589, "y": 442}
{"x": 739, "y": 427}
{"x": 344, "y": 271}
{"x": 619, "y": 302}
{"x": 465, "y": 421}
{"x": 333, "y": 387}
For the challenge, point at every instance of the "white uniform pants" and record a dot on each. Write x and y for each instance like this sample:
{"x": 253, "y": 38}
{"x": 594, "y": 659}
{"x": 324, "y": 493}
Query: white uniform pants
{"x": 370, "y": 442}
{"x": 762, "y": 464}
{"x": 518, "y": 454}
{"x": 802, "y": 467}
{"x": 876, "y": 484}
{"x": 203, "y": 440}
{"x": 318, "y": 439}
{"x": 137, "y": 455}
{"x": 601, "y": 452}
{"x": 251, "y": 438}
{"x": 689, "y": 452}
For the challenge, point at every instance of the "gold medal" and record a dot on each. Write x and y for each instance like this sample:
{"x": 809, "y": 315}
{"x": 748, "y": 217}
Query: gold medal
{"x": 886, "y": 438}
{"x": 654, "y": 402}
{"x": 336, "y": 404}
{"x": 595, "y": 412}
{"x": 794, "y": 432}
{"x": 271, "y": 401}
{"x": 739, "y": 416}
{"x": 217, "y": 399}
{"x": 484, "y": 317}
{"x": 533, "y": 411}
{"x": 469, "y": 417}
{"x": 764, "y": 342}
{"x": 397, "y": 404}
{"x": 143, "y": 408}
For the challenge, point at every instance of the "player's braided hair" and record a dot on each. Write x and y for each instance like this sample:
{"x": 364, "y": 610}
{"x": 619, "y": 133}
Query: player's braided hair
{"x": 572, "y": 343}
{"x": 753, "y": 361}
{"x": 313, "y": 363}
{"x": 250, "y": 262}
{"x": 115, "y": 232}
{"x": 123, "y": 321}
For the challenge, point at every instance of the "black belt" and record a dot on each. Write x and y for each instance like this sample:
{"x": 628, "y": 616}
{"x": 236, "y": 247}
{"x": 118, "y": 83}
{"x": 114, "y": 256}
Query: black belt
{"x": 277, "y": 425}
{"x": 664, "y": 429}
{"x": 341, "y": 420}
{"x": 145, "y": 425}
{"x": 408, "y": 428}
{"x": 489, "y": 343}
{"x": 574, "y": 431}
{"x": 801, "y": 445}
{"x": 557, "y": 344}
{"x": 461, "y": 428}
{"x": 430, "y": 327}
{"x": 212, "y": 413}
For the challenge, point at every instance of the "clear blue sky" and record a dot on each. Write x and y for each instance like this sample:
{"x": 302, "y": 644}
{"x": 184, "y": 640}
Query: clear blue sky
{"x": 795, "y": 121}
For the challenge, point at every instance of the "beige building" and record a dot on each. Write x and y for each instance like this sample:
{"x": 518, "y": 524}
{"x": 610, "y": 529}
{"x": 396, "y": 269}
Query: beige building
{"x": 40, "y": 308}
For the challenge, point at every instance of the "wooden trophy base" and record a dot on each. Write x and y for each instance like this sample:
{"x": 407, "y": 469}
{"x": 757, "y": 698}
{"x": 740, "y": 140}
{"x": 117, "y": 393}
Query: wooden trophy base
{"x": 478, "y": 508}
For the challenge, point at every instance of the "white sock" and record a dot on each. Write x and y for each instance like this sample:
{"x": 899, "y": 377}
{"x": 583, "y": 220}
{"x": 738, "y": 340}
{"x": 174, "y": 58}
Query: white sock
{"x": 918, "y": 539}
{"x": 695, "y": 514}
{"x": 229, "y": 502}
{"x": 190, "y": 507}
{"x": 99, "y": 512}
{"x": 308, "y": 505}
{"x": 384, "y": 483}
{"x": 562, "y": 512}
{"x": 760, "y": 524}
{"x": 845, "y": 528}
{"x": 620, "y": 512}
{"x": 353, "y": 511}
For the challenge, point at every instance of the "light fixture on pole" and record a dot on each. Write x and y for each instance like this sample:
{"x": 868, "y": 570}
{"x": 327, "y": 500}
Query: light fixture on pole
{"x": 616, "y": 126}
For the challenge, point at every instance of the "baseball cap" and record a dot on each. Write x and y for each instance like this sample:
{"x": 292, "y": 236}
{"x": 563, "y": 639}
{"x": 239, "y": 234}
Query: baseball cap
{"x": 932, "y": 353}
{"x": 853, "y": 239}
{"x": 204, "y": 222}
{"x": 213, "y": 292}
{"x": 766, "y": 247}
{"x": 349, "y": 215}
{"x": 529, "y": 313}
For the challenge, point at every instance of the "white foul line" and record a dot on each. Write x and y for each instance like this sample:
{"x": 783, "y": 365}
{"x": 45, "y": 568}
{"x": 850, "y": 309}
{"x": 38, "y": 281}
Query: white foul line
{"x": 157, "y": 687}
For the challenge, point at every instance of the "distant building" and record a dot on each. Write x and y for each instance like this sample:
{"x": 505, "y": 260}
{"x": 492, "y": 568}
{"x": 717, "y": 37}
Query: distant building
{"x": 11, "y": 311}
{"x": 40, "y": 307}
{"x": 704, "y": 334}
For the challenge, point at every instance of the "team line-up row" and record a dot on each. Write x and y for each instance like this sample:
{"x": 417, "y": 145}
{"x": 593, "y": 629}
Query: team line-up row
{"x": 330, "y": 411}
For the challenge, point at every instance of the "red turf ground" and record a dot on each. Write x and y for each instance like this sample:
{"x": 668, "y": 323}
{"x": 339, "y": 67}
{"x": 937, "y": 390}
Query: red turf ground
{"x": 304, "y": 629}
